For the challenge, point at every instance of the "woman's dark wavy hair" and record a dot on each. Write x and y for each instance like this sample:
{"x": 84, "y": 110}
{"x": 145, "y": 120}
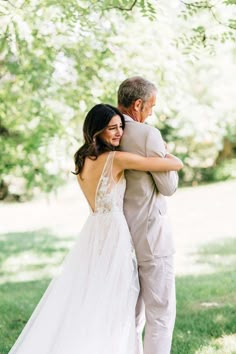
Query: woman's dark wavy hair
{"x": 95, "y": 122}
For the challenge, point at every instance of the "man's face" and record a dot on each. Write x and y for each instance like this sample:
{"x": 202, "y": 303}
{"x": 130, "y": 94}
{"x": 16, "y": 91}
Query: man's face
{"x": 146, "y": 108}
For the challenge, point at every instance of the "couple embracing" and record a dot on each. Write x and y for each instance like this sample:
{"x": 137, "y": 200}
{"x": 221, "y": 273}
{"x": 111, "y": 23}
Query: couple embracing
{"x": 119, "y": 274}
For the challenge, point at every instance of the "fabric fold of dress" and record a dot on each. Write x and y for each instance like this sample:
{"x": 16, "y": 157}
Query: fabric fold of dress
{"x": 89, "y": 308}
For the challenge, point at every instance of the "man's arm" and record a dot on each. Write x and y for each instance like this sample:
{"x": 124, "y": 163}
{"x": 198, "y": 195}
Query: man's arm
{"x": 166, "y": 182}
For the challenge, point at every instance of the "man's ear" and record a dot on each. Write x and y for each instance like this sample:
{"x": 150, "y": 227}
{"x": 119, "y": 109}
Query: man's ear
{"x": 137, "y": 105}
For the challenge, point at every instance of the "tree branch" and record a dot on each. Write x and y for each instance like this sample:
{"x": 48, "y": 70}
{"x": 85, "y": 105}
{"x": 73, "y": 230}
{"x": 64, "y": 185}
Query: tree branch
{"x": 219, "y": 21}
{"x": 197, "y": 5}
{"x": 211, "y": 9}
{"x": 13, "y": 5}
{"x": 122, "y": 8}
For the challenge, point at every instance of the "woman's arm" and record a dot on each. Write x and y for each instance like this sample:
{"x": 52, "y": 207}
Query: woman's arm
{"x": 128, "y": 161}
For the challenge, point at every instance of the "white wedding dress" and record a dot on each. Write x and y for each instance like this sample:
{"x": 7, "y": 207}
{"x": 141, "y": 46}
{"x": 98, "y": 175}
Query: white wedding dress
{"x": 90, "y": 307}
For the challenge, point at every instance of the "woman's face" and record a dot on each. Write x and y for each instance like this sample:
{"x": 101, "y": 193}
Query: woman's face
{"x": 113, "y": 132}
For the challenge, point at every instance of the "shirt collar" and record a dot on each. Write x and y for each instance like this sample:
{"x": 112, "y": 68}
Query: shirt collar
{"x": 128, "y": 118}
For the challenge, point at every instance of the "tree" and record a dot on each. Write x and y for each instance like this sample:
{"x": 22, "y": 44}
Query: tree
{"x": 52, "y": 58}
{"x": 211, "y": 22}
{"x": 59, "y": 58}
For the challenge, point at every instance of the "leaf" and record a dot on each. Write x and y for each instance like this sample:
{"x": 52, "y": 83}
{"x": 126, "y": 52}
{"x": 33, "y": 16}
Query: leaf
{"x": 230, "y": 2}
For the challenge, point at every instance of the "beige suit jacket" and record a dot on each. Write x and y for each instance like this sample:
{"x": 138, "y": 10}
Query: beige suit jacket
{"x": 144, "y": 204}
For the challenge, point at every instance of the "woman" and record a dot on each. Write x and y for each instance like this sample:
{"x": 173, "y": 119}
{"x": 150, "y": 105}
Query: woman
{"x": 90, "y": 307}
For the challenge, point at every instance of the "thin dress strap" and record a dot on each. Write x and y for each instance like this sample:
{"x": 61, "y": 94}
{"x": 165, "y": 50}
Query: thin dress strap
{"x": 108, "y": 167}
{"x": 106, "y": 182}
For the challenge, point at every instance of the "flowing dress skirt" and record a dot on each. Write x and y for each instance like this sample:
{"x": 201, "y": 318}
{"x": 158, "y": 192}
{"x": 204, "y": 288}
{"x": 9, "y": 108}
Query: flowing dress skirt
{"x": 90, "y": 307}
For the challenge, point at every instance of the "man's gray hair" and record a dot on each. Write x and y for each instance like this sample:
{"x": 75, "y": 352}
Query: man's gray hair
{"x": 135, "y": 88}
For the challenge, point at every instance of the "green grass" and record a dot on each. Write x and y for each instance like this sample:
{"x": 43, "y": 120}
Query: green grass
{"x": 34, "y": 254}
{"x": 206, "y": 310}
{"x": 41, "y": 242}
{"x": 206, "y": 304}
{"x": 223, "y": 247}
{"x": 18, "y": 301}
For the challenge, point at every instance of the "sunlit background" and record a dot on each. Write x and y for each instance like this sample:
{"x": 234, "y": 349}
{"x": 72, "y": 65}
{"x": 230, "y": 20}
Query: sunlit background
{"x": 58, "y": 59}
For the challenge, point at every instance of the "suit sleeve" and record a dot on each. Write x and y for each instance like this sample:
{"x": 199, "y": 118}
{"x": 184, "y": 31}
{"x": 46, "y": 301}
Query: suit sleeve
{"x": 166, "y": 182}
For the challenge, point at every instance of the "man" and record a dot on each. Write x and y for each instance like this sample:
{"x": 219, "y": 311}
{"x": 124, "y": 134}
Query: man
{"x": 145, "y": 210}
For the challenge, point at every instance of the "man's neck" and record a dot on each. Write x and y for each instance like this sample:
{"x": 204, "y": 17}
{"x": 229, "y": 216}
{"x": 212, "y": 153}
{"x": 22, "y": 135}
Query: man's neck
{"x": 129, "y": 112}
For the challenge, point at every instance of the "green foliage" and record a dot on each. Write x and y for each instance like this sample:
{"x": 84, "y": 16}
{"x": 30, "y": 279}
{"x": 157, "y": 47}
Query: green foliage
{"x": 230, "y": 2}
{"x": 53, "y": 59}
{"x": 58, "y": 58}
{"x": 232, "y": 24}
{"x": 220, "y": 24}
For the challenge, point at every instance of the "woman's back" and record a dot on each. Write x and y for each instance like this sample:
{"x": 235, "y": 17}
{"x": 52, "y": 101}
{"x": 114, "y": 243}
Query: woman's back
{"x": 89, "y": 178}
{"x": 101, "y": 185}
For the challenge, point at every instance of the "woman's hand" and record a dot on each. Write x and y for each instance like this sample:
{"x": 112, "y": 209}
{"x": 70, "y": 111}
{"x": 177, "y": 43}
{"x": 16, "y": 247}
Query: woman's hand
{"x": 175, "y": 158}
{"x": 166, "y": 147}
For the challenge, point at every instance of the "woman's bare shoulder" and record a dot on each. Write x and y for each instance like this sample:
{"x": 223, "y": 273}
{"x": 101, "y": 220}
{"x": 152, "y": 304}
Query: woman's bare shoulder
{"x": 120, "y": 155}
{"x": 125, "y": 159}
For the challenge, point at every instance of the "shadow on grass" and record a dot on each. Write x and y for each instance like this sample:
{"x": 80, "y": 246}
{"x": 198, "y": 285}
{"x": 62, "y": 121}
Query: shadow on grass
{"x": 39, "y": 241}
{"x": 18, "y": 301}
{"x": 206, "y": 304}
{"x": 27, "y": 253}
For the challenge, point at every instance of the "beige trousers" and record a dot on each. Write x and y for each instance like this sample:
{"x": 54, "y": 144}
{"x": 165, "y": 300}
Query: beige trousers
{"x": 156, "y": 305}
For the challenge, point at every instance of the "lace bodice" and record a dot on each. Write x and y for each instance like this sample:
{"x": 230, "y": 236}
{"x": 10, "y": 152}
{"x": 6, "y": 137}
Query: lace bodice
{"x": 109, "y": 194}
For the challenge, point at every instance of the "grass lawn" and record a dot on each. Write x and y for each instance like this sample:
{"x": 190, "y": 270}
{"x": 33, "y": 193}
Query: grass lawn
{"x": 27, "y": 263}
{"x": 17, "y": 302}
{"x": 206, "y": 304}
